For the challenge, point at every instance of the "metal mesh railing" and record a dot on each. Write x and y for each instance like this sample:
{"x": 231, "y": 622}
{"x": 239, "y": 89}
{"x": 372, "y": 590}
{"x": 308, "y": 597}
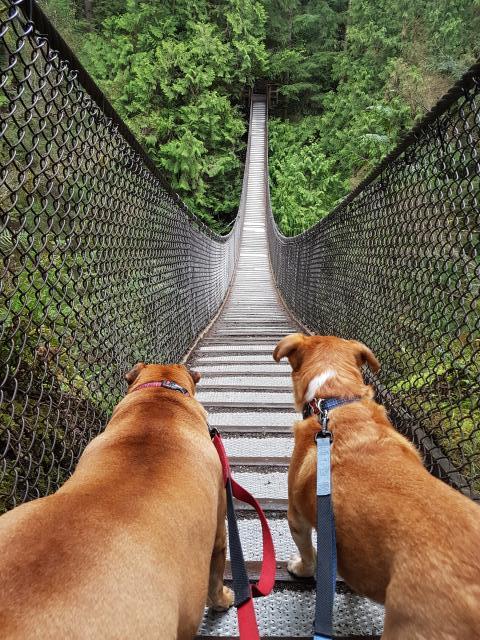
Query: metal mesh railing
{"x": 101, "y": 265}
{"x": 397, "y": 265}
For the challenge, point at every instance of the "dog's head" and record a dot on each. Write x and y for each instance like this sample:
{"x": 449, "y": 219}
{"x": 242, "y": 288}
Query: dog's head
{"x": 142, "y": 373}
{"x": 327, "y": 362}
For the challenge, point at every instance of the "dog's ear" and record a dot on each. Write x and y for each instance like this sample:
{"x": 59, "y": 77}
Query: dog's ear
{"x": 194, "y": 375}
{"x": 132, "y": 375}
{"x": 288, "y": 348}
{"x": 365, "y": 355}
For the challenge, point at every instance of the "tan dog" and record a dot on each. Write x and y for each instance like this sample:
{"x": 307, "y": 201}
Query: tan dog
{"x": 134, "y": 542}
{"x": 403, "y": 537}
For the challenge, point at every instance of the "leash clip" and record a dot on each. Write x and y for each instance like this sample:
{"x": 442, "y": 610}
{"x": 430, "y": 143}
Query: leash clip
{"x": 213, "y": 431}
{"x": 324, "y": 433}
{"x": 323, "y": 418}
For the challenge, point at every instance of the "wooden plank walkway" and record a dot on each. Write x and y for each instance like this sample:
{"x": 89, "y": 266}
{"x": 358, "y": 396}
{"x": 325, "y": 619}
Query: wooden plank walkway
{"x": 248, "y": 397}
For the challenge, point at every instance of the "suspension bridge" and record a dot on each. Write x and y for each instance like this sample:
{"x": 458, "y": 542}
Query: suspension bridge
{"x": 102, "y": 266}
{"x": 249, "y": 400}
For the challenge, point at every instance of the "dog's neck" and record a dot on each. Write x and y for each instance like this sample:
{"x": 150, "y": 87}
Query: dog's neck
{"x": 165, "y": 384}
{"x": 315, "y": 385}
{"x": 332, "y": 384}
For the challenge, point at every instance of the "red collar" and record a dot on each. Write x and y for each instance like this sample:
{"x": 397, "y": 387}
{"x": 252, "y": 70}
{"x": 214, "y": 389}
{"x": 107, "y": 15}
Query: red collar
{"x": 166, "y": 384}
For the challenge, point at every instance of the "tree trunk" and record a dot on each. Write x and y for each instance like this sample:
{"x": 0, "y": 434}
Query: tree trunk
{"x": 88, "y": 5}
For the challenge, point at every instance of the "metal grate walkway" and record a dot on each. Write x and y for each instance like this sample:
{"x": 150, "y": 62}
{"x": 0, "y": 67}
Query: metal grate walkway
{"x": 249, "y": 399}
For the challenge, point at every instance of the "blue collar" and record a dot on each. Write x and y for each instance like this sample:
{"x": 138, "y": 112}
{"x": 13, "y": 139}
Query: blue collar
{"x": 321, "y": 407}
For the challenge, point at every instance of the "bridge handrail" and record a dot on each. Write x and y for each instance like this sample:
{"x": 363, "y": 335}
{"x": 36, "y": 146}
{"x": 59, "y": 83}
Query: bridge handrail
{"x": 101, "y": 263}
{"x": 397, "y": 265}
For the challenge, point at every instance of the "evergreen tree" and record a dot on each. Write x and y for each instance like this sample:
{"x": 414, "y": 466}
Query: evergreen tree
{"x": 352, "y": 77}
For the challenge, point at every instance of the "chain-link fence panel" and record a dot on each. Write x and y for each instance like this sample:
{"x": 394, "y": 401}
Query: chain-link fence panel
{"x": 397, "y": 266}
{"x": 101, "y": 265}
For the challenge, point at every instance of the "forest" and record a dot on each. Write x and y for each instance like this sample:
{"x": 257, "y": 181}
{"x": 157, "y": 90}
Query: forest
{"x": 349, "y": 78}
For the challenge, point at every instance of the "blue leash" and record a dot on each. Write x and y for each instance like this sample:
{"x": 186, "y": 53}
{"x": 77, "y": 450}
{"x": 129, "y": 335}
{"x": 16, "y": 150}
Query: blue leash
{"x": 326, "y": 575}
{"x": 326, "y": 549}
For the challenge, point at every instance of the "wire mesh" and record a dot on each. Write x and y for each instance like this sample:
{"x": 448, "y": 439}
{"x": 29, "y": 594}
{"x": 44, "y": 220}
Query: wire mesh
{"x": 397, "y": 266}
{"x": 101, "y": 266}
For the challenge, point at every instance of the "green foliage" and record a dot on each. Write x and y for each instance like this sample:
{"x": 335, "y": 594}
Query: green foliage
{"x": 384, "y": 63}
{"x": 303, "y": 39}
{"x": 444, "y": 385}
{"x": 303, "y": 179}
{"x": 51, "y": 359}
{"x": 68, "y": 19}
{"x": 175, "y": 71}
{"x": 41, "y": 313}
{"x": 103, "y": 9}
{"x": 351, "y": 78}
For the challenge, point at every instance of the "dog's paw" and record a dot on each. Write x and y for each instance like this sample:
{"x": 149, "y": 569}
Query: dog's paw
{"x": 298, "y": 568}
{"x": 224, "y": 602}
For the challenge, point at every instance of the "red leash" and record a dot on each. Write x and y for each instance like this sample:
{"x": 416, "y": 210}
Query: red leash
{"x": 244, "y": 592}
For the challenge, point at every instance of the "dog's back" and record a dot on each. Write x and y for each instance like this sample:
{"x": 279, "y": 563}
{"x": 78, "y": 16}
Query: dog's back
{"x": 124, "y": 547}
{"x": 403, "y": 537}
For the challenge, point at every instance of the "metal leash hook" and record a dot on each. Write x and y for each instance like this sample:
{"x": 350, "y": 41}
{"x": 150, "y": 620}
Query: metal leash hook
{"x": 323, "y": 419}
{"x": 317, "y": 406}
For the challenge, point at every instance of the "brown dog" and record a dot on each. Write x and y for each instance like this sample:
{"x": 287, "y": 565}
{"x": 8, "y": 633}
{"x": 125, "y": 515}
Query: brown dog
{"x": 134, "y": 542}
{"x": 403, "y": 537}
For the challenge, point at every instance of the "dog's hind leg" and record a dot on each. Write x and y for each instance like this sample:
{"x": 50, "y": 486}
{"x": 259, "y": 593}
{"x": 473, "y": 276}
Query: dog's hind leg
{"x": 303, "y": 565}
{"x": 401, "y": 623}
{"x": 220, "y": 597}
